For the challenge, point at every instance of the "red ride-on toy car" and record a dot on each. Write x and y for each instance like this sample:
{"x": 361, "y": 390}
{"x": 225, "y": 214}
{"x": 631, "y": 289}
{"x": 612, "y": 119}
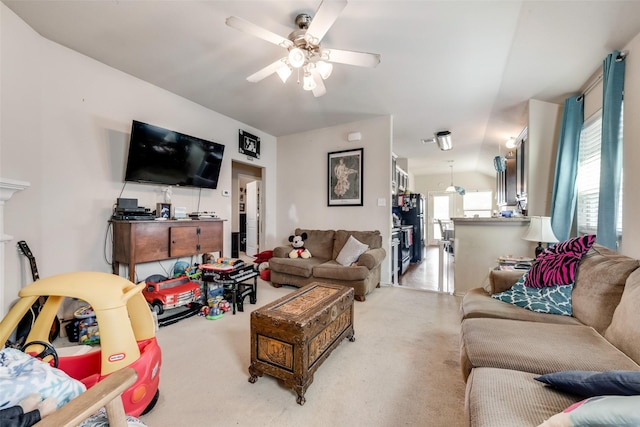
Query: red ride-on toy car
{"x": 127, "y": 332}
{"x": 162, "y": 293}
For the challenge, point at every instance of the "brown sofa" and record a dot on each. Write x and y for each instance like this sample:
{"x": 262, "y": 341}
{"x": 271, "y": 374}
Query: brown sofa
{"x": 324, "y": 246}
{"x": 504, "y": 347}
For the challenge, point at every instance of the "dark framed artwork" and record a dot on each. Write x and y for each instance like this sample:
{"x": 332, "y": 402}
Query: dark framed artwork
{"x": 345, "y": 178}
{"x": 249, "y": 144}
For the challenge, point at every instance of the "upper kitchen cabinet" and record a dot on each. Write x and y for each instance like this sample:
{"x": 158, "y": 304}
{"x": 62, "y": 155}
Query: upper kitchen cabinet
{"x": 399, "y": 178}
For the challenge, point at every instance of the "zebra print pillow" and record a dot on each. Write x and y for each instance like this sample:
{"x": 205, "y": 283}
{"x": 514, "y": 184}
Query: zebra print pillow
{"x": 557, "y": 265}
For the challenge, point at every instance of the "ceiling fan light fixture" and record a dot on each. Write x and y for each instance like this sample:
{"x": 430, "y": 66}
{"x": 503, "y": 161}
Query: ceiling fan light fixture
{"x": 308, "y": 83}
{"x": 324, "y": 69}
{"x": 284, "y": 72}
{"x": 296, "y": 57}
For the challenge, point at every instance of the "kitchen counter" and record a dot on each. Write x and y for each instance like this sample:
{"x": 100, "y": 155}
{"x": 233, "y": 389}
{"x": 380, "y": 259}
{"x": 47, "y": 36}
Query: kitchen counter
{"x": 480, "y": 241}
{"x": 497, "y": 220}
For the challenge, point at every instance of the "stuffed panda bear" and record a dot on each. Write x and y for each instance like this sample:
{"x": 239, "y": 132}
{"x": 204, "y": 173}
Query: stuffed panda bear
{"x": 299, "y": 250}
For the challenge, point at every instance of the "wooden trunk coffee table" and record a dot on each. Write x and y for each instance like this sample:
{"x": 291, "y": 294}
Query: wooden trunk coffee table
{"x": 292, "y": 336}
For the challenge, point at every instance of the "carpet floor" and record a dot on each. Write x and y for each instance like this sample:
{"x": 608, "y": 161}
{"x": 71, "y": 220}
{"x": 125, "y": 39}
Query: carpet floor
{"x": 402, "y": 369}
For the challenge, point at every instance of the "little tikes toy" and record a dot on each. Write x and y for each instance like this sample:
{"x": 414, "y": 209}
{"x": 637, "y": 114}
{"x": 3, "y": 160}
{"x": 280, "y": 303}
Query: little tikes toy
{"x": 127, "y": 332}
{"x": 298, "y": 246}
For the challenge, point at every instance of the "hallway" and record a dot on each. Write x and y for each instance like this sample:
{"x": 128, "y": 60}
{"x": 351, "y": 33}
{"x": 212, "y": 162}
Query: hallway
{"x": 424, "y": 275}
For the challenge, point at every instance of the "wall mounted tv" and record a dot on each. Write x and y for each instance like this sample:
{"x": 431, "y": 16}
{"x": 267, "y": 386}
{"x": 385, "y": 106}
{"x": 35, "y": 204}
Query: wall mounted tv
{"x": 161, "y": 156}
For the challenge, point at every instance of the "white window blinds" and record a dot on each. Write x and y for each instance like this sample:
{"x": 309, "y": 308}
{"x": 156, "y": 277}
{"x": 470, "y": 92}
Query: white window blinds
{"x": 588, "y": 179}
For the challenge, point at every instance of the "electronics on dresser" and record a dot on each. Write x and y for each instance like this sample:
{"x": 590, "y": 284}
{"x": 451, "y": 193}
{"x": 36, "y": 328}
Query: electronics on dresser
{"x": 133, "y": 217}
{"x": 128, "y": 210}
{"x": 161, "y": 156}
{"x": 126, "y": 203}
{"x": 179, "y": 212}
{"x": 198, "y": 215}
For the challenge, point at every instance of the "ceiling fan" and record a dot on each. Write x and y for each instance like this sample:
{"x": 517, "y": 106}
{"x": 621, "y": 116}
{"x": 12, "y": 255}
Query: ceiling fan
{"x": 305, "y": 54}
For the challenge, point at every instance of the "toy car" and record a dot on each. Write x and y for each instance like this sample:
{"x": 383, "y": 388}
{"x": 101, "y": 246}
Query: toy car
{"x": 127, "y": 332}
{"x": 162, "y": 294}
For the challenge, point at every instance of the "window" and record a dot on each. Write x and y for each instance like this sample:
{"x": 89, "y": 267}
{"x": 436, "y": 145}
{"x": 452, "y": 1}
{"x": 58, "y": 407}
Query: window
{"x": 588, "y": 179}
{"x": 478, "y": 203}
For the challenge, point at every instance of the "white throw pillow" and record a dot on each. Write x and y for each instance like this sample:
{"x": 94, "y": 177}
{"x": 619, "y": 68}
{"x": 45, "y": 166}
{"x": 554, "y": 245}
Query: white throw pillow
{"x": 351, "y": 251}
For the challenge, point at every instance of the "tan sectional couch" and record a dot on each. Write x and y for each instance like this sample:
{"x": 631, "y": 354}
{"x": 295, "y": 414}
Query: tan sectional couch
{"x": 504, "y": 347}
{"x": 324, "y": 246}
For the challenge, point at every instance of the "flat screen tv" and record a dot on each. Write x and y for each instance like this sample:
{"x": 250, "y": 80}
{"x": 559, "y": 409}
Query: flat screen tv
{"x": 161, "y": 156}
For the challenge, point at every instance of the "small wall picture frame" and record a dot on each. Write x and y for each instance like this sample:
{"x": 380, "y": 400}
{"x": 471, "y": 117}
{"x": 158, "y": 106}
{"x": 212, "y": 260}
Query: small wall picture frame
{"x": 248, "y": 144}
{"x": 163, "y": 210}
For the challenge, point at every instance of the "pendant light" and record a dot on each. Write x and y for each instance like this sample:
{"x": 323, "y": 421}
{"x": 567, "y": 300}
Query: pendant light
{"x": 451, "y": 188}
{"x": 454, "y": 188}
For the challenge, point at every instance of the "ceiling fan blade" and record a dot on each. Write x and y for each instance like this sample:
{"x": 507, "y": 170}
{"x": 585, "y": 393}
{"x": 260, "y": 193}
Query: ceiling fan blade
{"x": 267, "y": 71}
{"x": 320, "y": 89}
{"x": 251, "y": 28}
{"x": 325, "y": 16}
{"x": 361, "y": 59}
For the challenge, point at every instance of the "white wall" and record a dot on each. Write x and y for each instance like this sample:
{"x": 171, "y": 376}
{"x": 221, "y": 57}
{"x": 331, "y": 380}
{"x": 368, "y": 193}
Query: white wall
{"x": 631, "y": 172}
{"x": 303, "y": 181}
{"x": 470, "y": 181}
{"x": 544, "y": 123}
{"x": 65, "y": 127}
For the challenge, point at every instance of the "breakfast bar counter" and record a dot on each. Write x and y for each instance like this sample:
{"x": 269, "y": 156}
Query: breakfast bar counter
{"x": 480, "y": 241}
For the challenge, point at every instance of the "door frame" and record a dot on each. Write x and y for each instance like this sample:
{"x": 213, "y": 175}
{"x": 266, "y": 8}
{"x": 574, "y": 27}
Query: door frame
{"x": 241, "y": 179}
{"x": 430, "y": 222}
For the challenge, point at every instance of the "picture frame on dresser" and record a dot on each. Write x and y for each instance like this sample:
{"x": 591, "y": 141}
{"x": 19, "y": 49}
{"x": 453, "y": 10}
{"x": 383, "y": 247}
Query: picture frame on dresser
{"x": 345, "y": 180}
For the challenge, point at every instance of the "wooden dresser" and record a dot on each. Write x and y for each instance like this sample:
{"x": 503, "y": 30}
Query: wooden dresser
{"x": 144, "y": 241}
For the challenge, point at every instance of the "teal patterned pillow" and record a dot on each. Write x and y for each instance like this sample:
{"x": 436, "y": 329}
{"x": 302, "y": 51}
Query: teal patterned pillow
{"x": 551, "y": 299}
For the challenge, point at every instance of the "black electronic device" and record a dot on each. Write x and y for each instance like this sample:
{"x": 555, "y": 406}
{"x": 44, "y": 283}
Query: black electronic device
{"x": 137, "y": 210}
{"x": 161, "y": 156}
{"x": 133, "y": 217}
{"x": 123, "y": 203}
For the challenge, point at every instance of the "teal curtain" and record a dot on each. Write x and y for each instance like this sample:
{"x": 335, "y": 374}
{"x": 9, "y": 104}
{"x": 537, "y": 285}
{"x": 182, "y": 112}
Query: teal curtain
{"x": 564, "y": 196}
{"x": 611, "y": 150}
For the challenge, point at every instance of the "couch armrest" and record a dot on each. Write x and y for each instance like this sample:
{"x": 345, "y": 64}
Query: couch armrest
{"x": 372, "y": 258}
{"x": 282, "y": 251}
{"x": 502, "y": 280}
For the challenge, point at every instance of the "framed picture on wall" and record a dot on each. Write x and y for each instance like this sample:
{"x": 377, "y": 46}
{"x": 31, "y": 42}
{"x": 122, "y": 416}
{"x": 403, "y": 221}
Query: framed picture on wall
{"x": 249, "y": 144}
{"x": 345, "y": 178}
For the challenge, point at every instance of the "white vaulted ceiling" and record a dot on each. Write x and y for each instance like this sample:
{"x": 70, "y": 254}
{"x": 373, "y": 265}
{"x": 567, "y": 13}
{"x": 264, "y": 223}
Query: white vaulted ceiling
{"x": 465, "y": 66}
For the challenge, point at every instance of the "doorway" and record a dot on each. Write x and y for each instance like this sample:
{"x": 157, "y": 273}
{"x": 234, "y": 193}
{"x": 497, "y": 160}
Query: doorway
{"x": 441, "y": 207}
{"x": 247, "y": 230}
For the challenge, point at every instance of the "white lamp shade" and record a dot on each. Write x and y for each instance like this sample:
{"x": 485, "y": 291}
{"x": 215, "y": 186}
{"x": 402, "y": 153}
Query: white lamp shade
{"x": 296, "y": 57}
{"x": 308, "y": 83}
{"x": 540, "y": 230}
{"x": 324, "y": 68}
{"x": 284, "y": 72}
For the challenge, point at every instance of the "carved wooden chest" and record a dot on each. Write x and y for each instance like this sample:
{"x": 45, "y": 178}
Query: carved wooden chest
{"x": 292, "y": 336}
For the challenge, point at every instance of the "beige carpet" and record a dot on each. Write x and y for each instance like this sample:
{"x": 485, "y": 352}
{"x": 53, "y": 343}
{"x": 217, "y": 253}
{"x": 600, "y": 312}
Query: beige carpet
{"x": 402, "y": 370}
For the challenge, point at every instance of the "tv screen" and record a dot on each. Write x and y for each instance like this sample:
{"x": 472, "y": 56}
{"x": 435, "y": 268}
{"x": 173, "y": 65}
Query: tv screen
{"x": 161, "y": 156}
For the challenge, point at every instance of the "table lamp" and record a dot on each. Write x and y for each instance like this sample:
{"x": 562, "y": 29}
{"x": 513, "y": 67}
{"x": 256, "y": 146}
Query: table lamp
{"x": 540, "y": 231}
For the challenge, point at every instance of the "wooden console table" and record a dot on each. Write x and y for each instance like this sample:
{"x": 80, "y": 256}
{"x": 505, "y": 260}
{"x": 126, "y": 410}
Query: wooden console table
{"x": 144, "y": 241}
